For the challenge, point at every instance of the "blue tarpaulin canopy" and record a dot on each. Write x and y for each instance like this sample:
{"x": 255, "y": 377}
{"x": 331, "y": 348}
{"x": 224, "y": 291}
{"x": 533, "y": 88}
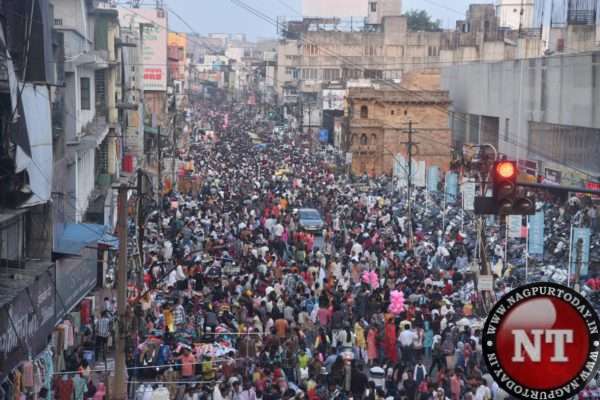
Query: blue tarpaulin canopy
{"x": 77, "y": 236}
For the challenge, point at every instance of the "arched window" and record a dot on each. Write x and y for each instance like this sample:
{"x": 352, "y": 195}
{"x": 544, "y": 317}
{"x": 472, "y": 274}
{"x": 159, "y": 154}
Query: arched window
{"x": 364, "y": 140}
{"x": 364, "y": 112}
{"x": 373, "y": 139}
{"x": 353, "y": 140}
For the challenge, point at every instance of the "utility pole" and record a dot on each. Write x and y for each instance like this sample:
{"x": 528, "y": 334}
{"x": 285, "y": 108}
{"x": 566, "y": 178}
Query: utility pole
{"x": 173, "y": 174}
{"x": 160, "y": 182}
{"x": 120, "y": 389}
{"x": 140, "y": 227}
{"x": 409, "y": 147}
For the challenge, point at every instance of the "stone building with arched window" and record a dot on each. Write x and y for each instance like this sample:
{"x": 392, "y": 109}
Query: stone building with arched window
{"x": 378, "y": 115}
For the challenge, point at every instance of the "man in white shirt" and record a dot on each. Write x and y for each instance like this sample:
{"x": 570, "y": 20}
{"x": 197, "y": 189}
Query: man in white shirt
{"x": 406, "y": 339}
{"x": 483, "y": 392}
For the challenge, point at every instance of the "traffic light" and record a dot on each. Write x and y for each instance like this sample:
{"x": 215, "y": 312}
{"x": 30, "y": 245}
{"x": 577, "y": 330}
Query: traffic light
{"x": 504, "y": 178}
{"x": 508, "y": 198}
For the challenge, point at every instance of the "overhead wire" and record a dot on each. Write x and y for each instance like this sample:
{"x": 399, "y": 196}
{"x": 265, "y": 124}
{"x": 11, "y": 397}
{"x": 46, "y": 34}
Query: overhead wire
{"x": 394, "y": 85}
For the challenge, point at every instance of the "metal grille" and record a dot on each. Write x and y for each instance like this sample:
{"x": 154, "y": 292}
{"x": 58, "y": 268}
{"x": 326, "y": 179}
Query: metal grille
{"x": 100, "y": 87}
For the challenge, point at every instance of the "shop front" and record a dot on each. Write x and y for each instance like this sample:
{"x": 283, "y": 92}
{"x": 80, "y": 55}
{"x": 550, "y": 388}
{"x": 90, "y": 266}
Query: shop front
{"x": 27, "y": 319}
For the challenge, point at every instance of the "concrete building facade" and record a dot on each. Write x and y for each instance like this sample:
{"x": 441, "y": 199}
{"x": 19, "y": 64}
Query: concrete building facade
{"x": 543, "y": 111}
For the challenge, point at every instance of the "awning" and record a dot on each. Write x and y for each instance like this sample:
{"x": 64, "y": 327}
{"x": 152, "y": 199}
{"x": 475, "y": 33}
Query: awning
{"x": 36, "y": 107}
{"x": 77, "y": 236}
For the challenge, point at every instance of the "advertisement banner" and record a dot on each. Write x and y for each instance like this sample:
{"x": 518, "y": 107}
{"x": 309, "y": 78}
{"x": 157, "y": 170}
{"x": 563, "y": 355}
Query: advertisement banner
{"x": 75, "y": 278}
{"x": 593, "y": 186}
{"x": 536, "y": 234}
{"x": 433, "y": 178}
{"x": 419, "y": 172}
{"x": 468, "y": 196}
{"x": 333, "y": 99}
{"x": 515, "y": 223}
{"x": 401, "y": 170}
{"x": 552, "y": 176}
{"x": 324, "y": 135}
{"x": 451, "y": 187}
{"x": 580, "y": 250}
{"x": 27, "y": 320}
{"x": 155, "y": 43}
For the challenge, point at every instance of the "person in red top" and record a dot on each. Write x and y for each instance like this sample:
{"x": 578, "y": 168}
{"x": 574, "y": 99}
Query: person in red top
{"x": 390, "y": 341}
{"x": 63, "y": 387}
{"x": 188, "y": 364}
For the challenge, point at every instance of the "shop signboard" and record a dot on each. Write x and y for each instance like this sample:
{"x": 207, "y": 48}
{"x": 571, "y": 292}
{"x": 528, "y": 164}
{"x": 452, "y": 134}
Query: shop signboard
{"x": 552, "y": 176}
{"x": 333, "y": 99}
{"x": 468, "y": 189}
{"x": 27, "y": 320}
{"x": 536, "y": 234}
{"x": 593, "y": 186}
{"x": 155, "y": 43}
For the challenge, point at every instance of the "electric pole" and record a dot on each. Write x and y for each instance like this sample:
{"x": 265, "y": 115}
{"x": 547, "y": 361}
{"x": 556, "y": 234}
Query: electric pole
{"x": 160, "y": 184}
{"x": 173, "y": 174}
{"x": 140, "y": 227}
{"x": 409, "y": 147}
{"x": 120, "y": 390}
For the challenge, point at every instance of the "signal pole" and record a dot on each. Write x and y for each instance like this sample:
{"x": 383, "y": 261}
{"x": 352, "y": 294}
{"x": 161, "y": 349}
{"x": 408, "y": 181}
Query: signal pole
{"x": 409, "y": 147}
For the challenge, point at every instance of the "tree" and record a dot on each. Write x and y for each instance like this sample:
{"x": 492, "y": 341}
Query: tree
{"x": 421, "y": 21}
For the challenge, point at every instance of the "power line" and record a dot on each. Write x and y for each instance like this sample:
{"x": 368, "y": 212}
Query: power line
{"x": 394, "y": 85}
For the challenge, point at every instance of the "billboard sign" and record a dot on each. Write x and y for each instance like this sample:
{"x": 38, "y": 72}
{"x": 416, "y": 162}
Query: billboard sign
{"x": 333, "y": 99}
{"x": 155, "y": 43}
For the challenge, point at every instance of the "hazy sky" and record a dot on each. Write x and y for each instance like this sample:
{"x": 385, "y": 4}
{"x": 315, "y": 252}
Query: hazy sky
{"x": 223, "y": 16}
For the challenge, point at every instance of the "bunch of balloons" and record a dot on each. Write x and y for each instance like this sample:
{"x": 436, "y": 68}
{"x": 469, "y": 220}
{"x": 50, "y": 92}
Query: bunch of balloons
{"x": 371, "y": 278}
{"x": 396, "y": 302}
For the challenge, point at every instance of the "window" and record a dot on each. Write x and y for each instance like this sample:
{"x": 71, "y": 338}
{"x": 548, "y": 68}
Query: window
{"x": 84, "y": 87}
{"x": 373, "y": 7}
{"x": 364, "y": 112}
{"x": 311, "y": 50}
{"x": 100, "y": 90}
{"x": 331, "y": 74}
{"x": 364, "y": 140}
{"x": 506, "y": 128}
{"x": 392, "y": 112}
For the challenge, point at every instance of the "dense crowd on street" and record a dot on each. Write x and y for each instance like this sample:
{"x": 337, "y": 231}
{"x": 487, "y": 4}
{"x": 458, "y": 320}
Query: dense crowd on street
{"x": 241, "y": 303}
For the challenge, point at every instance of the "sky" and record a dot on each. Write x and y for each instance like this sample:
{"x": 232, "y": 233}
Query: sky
{"x": 223, "y": 16}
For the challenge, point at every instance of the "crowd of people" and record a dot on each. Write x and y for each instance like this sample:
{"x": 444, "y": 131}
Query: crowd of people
{"x": 241, "y": 303}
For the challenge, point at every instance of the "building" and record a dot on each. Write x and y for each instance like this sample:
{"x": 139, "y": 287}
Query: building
{"x": 331, "y": 8}
{"x": 88, "y": 158}
{"x": 28, "y": 275}
{"x": 318, "y": 51}
{"x": 177, "y": 58}
{"x": 91, "y": 118}
{"x": 152, "y": 25}
{"x": 379, "y": 113}
{"x": 132, "y": 111}
{"x": 542, "y": 112}
{"x": 515, "y": 14}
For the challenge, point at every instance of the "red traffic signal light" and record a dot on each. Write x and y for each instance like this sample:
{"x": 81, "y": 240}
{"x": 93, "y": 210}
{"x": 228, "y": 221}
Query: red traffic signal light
{"x": 504, "y": 186}
{"x": 506, "y": 170}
